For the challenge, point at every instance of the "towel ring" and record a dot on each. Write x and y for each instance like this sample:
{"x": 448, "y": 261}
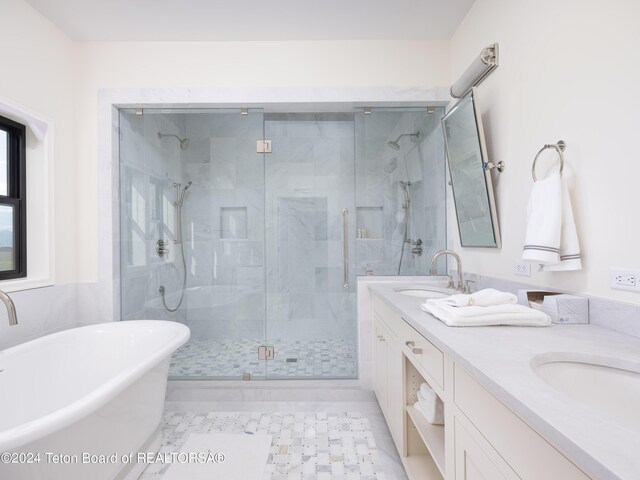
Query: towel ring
{"x": 558, "y": 147}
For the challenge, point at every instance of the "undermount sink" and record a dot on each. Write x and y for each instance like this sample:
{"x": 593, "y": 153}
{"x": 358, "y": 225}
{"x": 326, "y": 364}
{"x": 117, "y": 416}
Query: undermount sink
{"x": 605, "y": 384}
{"x": 422, "y": 292}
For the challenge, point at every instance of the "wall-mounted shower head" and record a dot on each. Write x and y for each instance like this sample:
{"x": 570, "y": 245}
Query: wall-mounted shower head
{"x": 396, "y": 146}
{"x": 184, "y": 142}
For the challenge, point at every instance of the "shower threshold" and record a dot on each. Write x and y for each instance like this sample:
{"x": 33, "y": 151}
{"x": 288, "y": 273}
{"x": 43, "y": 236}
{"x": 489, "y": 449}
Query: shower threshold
{"x": 294, "y": 359}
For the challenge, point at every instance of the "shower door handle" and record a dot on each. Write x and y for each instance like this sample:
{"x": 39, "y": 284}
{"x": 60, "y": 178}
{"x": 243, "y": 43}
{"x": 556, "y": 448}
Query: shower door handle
{"x": 345, "y": 247}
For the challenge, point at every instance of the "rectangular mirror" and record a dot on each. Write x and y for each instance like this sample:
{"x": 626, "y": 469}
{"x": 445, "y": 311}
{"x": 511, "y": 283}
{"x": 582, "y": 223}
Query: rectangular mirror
{"x": 471, "y": 182}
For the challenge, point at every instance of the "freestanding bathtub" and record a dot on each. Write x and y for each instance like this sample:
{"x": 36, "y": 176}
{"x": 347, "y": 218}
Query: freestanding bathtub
{"x": 80, "y": 404}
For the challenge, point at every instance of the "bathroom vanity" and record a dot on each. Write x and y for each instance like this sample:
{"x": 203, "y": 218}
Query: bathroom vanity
{"x": 502, "y": 419}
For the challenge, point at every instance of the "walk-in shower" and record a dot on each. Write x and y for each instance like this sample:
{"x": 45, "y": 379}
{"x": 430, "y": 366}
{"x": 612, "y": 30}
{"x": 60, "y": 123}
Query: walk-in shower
{"x": 252, "y": 256}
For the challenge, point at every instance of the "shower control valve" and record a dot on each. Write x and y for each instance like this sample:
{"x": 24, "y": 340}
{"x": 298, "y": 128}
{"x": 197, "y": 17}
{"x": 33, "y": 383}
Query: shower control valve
{"x": 162, "y": 247}
{"x": 417, "y": 249}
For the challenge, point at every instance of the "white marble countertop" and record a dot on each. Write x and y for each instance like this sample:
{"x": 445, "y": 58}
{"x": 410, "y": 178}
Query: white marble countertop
{"x": 499, "y": 358}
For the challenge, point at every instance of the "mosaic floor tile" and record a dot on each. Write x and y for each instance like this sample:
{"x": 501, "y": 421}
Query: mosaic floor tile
{"x": 329, "y": 358}
{"x": 305, "y": 446}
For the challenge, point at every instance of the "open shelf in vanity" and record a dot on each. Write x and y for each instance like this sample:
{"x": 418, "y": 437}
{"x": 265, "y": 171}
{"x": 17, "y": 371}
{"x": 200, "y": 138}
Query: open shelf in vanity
{"x": 403, "y": 360}
{"x": 425, "y": 443}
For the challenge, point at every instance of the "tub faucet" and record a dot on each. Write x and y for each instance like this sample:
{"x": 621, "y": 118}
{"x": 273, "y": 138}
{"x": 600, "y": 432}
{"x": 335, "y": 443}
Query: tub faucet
{"x": 437, "y": 255}
{"x": 11, "y": 308}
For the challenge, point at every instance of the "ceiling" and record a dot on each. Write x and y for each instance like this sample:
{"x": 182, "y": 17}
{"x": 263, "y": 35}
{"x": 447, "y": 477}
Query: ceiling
{"x": 175, "y": 20}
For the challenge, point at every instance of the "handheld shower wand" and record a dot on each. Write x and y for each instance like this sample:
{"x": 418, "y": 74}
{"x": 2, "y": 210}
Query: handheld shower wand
{"x": 180, "y": 195}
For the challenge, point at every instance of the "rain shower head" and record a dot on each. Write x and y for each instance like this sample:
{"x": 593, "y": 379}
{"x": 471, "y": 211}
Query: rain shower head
{"x": 184, "y": 142}
{"x": 396, "y": 146}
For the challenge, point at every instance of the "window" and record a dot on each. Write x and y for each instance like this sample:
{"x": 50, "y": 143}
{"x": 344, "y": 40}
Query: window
{"x": 13, "y": 212}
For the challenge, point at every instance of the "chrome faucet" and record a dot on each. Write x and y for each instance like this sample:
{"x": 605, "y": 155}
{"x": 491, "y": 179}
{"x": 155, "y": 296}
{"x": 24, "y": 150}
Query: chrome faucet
{"x": 11, "y": 308}
{"x": 437, "y": 255}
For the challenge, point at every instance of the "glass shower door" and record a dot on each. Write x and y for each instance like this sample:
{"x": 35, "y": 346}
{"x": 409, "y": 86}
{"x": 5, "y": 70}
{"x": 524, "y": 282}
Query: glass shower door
{"x": 267, "y": 284}
{"x": 310, "y": 280}
{"x": 221, "y": 234}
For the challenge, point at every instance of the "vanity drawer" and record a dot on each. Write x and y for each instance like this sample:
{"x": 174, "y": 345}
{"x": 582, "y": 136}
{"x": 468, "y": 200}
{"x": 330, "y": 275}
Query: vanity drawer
{"x": 419, "y": 350}
{"x": 422, "y": 353}
{"x": 530, "y": 455}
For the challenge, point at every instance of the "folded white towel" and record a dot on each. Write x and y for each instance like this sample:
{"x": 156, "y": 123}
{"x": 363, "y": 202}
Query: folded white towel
{"x": 481, "y": 298}
{"x": 430, "y": 405}
{"x": 425, "y": 390}
{"x": 508, "y": 314}
{"x": 551, "y": 238}
{"x": 434, "y": 418}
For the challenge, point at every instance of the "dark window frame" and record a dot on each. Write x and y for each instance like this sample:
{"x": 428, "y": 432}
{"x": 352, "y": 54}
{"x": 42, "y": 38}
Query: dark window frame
{"x": 16, "y": 194}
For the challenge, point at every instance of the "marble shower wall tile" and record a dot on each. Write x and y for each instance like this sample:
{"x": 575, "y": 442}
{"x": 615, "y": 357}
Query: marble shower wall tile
{"x": 225, "y": 259}
{"x": 309, "y": 180}
{"x": 379, "y": 171}
{"x": 149, "y": 167}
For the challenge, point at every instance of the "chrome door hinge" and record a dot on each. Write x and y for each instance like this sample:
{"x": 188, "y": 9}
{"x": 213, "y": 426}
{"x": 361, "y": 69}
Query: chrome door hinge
{"x": 263, "y": 146}
{"x": 266, "y": 352}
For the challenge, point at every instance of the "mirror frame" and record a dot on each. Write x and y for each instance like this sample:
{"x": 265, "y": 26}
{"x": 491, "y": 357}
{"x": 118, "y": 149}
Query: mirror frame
{"x": 483, "y": 161}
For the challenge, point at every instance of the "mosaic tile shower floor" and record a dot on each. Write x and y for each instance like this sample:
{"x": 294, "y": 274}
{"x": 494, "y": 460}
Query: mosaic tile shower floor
{"x": 305, "y": 446}
{"x": 331, "y": 358}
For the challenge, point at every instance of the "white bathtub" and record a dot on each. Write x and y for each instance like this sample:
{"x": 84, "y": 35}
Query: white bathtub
{"x": 96, "y": 390}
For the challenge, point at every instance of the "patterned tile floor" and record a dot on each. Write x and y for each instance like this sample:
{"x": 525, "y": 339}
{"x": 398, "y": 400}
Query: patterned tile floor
{"x": 305, "y": 446}
{"x": 331, "y": 358}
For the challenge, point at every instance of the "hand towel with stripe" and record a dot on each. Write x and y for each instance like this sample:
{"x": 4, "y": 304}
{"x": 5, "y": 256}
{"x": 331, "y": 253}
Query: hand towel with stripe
{"x": 551, "y": 238}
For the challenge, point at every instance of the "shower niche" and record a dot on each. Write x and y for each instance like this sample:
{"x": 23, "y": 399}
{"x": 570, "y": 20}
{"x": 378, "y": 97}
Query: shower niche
{"x": 370, "y": 223}
{"x": 400, "y": 190}
{"x": 263, "y": 234}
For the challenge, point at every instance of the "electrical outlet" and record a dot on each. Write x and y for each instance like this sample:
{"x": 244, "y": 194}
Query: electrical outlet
{"x": 522, "y": 268}
{"x": 624, "y": 279}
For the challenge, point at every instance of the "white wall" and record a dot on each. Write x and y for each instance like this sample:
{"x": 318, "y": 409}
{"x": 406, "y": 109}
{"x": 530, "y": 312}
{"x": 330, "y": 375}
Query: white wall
{"x": 230, "y": 64}
{"x": 38, "y": 72}
{"x": 568, "y": 70}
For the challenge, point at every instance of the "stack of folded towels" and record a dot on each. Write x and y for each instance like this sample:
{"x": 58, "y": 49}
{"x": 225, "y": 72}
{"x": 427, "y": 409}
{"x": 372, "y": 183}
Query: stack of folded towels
{"x": 485, "y": 307}
{"x": 430, "y": 405}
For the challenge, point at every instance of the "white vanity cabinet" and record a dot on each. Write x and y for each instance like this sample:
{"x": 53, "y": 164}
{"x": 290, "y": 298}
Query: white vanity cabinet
{"x": 526, "y": 452}
{"x": 482, "y": 439}
{"x": 404, "y": 359}
{"x": 472, "y": 461}
{"x": 387, "y": 371}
